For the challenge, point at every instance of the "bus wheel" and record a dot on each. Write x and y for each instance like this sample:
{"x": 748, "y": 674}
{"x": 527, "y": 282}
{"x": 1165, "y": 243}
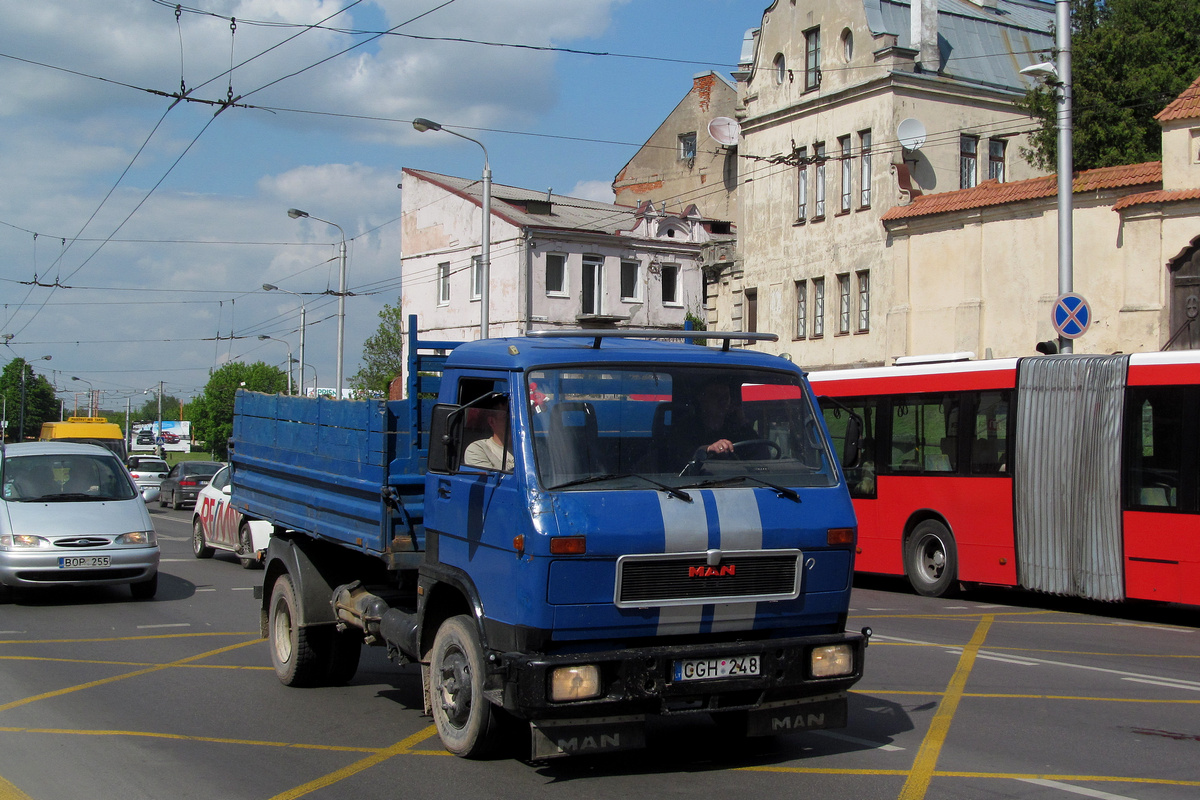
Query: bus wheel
{"x": 465, "y": 720}
{"x": 931, "y": 560}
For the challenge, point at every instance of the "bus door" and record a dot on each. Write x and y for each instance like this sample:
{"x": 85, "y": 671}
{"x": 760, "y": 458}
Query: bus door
{"x": 1161, "y": 507}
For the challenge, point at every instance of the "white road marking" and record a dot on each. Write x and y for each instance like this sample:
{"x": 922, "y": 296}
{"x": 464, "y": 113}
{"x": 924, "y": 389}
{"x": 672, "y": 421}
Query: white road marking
{"x": 1168, "y": 682}
{"x": 1066, "y": 787}
{"x": 166, "y": 625}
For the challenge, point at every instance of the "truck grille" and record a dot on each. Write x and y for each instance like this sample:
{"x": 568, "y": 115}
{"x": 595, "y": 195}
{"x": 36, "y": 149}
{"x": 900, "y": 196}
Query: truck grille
{"x": 689, "y": 579}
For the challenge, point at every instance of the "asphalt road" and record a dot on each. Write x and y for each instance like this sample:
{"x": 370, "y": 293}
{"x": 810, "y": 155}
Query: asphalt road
{"x": 994, "y": 695}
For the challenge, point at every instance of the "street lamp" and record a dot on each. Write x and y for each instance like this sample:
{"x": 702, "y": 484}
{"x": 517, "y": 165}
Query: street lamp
{"x": 270, "y": 287}
{"x": 25, "y": 368}
{"x": 316, "y": 380}
{"x": 90, "y": 391}
{"x": 263, "y": 337}
{"x": 296, "y": 213}
{"x": 422, "y": 125}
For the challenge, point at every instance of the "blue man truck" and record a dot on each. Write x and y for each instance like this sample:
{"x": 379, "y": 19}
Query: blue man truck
{"x": 612, "y": 562}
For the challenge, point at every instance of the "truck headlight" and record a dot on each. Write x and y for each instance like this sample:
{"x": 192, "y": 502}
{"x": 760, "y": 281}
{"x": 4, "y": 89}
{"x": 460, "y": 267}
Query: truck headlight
{"x": 580, "y": 682}
{"x": 832, "y": 660}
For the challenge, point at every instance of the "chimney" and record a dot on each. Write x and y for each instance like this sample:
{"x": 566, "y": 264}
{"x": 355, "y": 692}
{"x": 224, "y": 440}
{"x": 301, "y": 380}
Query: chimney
{"x": 924, "y": 34}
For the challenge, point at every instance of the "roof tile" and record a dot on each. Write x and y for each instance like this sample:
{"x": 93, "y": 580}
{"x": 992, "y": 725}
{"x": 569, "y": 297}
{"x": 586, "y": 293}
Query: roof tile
{"x": 1186, "y": 106}
{"x": 991, "y": 193}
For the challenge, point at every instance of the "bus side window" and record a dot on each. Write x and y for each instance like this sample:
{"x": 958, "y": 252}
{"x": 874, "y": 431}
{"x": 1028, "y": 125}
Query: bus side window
{"x": 990, "y": 442}
{"x": 860, "y": 479}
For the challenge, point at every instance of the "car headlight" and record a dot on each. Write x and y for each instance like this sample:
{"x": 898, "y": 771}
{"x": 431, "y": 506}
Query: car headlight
{"x": 832, "y": 660}
{"x": 14, "y": 540}
{"x": 579, "y": 682}
{"x": 143, "y": 538}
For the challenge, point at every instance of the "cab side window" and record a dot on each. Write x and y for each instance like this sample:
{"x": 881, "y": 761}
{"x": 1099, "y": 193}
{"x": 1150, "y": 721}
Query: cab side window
{"x": 486, "y": 426}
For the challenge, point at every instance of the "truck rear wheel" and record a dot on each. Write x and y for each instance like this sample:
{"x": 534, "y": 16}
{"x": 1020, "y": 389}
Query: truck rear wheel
{"x": 296, "y": 661}
{"x": 466, "y": 721}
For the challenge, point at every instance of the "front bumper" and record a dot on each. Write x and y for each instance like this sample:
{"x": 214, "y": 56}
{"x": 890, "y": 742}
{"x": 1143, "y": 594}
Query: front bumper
{"x": 40, "y": 567}
{"x": 641, "y": 680}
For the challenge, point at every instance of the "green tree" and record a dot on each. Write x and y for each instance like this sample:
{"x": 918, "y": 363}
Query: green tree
{"x": 1129, "y": 58}
{"x": 40, "y": 405}
{"x": 383, "y": 354}
{"x": 212, "y": 412}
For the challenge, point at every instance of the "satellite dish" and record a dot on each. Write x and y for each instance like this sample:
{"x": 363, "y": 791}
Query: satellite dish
{"x": 911, "y": 133}
{"x": 724, "y": 131}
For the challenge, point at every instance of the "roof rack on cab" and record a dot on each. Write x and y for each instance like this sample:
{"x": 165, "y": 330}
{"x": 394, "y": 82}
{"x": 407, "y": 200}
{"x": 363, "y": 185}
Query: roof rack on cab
{"x": 649, "y": 333}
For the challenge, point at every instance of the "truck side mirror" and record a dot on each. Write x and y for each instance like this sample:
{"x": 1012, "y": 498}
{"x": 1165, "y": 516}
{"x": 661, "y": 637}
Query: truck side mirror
{"x": 445, "y": 433}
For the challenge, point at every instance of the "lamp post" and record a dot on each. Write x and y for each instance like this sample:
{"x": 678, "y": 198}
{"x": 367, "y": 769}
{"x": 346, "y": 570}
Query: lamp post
{"x": 263, "y": 337}
{"x": 25, "y": 368}
{"x": 422, "y": 125}
{"x": 316, "y": 380}
{"x": 296, "y": 213}
{"x": 90, "y": 391}
{"x": 270, "y": 287}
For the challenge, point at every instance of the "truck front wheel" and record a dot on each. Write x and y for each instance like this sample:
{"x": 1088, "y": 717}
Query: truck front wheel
{"x": 466, "y": 721}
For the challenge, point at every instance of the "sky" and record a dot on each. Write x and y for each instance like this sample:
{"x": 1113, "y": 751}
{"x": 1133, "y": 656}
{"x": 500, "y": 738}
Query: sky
{"x": 137, "y": 230}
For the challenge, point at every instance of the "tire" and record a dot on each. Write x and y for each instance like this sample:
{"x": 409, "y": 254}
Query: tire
{"x": 246, "y": 547}
{"x": 162, "y": 499}
{"x": 144, "y": 590}
{"x": 200, "y": 548}
{"x": 465, "y": 719}
{"x": 297, "y": 653}
{"x": 175, "y": 502}
{"x": 931, "y": 560}
{"x": 6, "y": 594}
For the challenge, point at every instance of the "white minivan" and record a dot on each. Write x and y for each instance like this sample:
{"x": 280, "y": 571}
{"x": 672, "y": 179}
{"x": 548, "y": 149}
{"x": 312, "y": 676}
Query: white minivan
{"x": 71, "y": 515}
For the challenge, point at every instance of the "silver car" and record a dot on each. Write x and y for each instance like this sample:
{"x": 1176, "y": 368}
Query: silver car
{"x": 148, "y": 472}
{"x": 71, "y": 515}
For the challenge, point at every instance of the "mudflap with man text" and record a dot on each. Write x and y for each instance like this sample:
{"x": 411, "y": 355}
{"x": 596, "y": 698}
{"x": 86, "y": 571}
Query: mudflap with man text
{"x": 575, "y": 737}
{"x": 793, "y": 716}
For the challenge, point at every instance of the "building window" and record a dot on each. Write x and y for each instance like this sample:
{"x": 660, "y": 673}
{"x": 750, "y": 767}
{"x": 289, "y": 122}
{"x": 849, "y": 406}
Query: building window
{"x": 780, "y": 68}
{"x": 818, "y": 309}
{"x": 592, "y": 294}
{"x": 847, "y": 45}
{"x": 819, "y": 156}
{"x": 847, "y": 172}
{"x": 476, "y": 277}
{"x": 843, "y": 303}
{"x": 750, "y": 317}
{"x": 670, "y": 284}
{"x": 967, "y": 161}
{"x": 556, "y": 274}
{"x": 802, "y": 185}
{"x": 631, "y": 284}
{"x": 801, "y": 328}
{"x": 443, "y": 280}
{"x": 812, "y": 59}
{"x": 864, "y": 301}
{"x": 996, "y": 159}
{"x": 687, "y": 146}
{"x": 864, "y": 169}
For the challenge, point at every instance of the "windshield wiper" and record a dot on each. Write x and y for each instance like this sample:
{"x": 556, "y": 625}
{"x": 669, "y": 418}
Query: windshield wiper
{"x": 612, "y": 476}
{"x": 782, "y": 491}
{"x": 70, "y": 497}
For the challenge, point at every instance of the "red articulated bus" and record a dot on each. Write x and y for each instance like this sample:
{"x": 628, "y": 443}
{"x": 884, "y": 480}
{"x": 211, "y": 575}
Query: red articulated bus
{"x": 1077, "y": 475}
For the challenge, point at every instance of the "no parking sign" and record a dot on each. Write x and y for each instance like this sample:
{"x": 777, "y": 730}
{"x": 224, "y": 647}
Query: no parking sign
{"x": 1072, "y": 316}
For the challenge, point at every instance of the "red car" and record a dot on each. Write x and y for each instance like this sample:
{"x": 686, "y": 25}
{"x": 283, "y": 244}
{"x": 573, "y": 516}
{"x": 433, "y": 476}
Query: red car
{"x": 170, "y": 438}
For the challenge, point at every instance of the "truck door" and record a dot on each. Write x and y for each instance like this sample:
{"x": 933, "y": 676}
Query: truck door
{"x": 478, "y": 508}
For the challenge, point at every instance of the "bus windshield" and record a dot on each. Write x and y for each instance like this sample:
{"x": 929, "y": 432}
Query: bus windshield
{"x": 679, "y": 427}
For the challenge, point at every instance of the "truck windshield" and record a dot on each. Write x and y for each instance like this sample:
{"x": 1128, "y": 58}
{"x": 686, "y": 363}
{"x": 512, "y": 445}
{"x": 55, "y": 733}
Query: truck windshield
{"x": 688, "y": 426}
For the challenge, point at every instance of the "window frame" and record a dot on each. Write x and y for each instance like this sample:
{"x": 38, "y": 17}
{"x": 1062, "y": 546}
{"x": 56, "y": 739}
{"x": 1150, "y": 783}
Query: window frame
{"x": 636, "y": 295}
{"x": 818, "y": 309}
{"x": 687, "y": 146}
{"x": 968, "y": 161}
{"x": 819, "y": 181}
{"x": 675, "y": 272}
{"x": 800, "y": 329}
{"x": 563, "y": 289}
{"x": 843, "y": 284}
{"x": 864, "y": 169}
{"x": 996, "y": 160}
{"x": 802, "y": 185}
{"x": 596, "y": 285}
{"x": 443, "y": 283}
{"x": 476, "y": 277}
{"x": 847, "y": 173}
{"x": 812, "y": 59}
{"x": 864, "y": 300}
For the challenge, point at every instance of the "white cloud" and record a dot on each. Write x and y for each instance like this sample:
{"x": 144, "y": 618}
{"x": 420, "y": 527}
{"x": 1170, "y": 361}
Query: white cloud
{"x": 599, "y": 191}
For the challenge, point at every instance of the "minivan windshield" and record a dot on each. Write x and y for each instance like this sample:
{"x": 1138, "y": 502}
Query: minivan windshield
{"x": 618, "y": 427}
{"x": 59, "y": 478}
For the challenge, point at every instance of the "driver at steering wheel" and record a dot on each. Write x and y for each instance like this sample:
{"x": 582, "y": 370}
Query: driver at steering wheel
{"x": 715, "y": 426}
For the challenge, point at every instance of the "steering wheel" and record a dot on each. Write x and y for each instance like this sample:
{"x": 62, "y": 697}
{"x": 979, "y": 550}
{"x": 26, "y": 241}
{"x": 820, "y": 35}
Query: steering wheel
{"x": 773, "y": 449}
